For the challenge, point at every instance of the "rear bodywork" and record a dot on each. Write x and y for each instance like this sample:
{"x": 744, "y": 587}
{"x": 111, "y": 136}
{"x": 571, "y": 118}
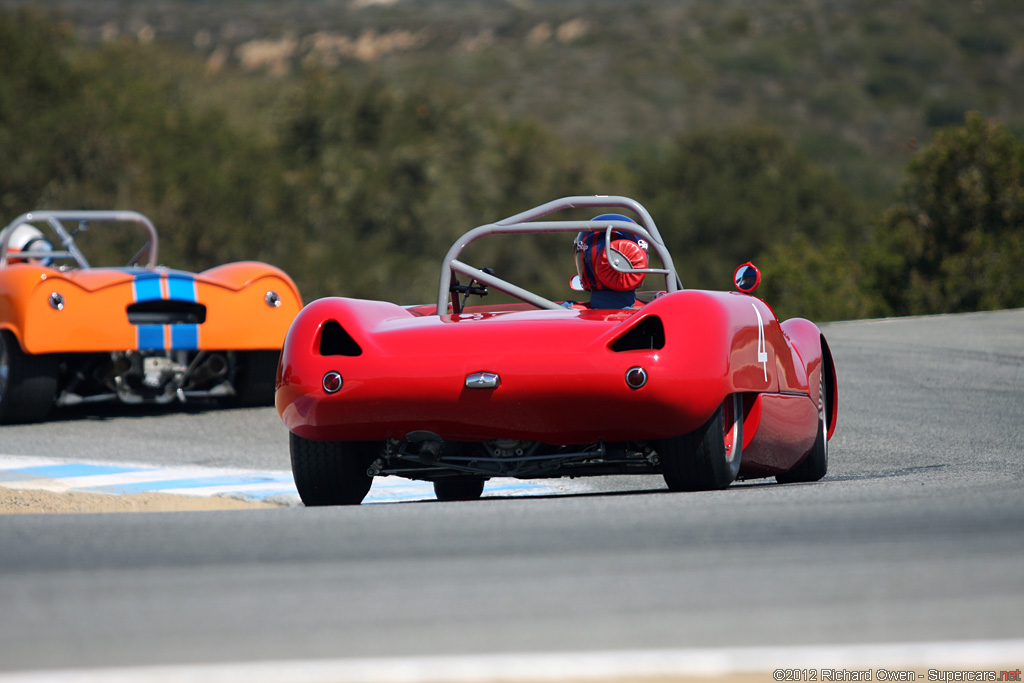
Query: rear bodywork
{"x": 141, "y": 332}
{"x": 541, "y": 388}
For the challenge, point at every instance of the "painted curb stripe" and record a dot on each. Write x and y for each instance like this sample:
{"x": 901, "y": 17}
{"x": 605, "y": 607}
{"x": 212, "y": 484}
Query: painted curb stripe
{"x": 184, "y": 483}
{"x": 29, "y": 473}
{"x": 61, "y": 476}
{"x": 60, "y": 471}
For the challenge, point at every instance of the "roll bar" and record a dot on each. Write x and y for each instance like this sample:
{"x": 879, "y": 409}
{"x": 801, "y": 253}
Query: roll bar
{"x": 527, "y": 223}
{"x": 56, "y": 219}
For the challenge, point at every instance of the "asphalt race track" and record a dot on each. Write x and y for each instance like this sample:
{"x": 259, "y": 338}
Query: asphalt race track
{"x": 916, "y": 536}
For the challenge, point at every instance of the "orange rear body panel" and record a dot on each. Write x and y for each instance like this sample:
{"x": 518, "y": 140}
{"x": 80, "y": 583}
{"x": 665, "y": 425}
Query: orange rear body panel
{"x": 90, "y": 313}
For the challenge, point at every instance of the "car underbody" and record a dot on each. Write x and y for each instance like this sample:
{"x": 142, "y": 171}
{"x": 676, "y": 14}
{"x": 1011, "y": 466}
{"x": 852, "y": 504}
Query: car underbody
{"x": 427, "y": 457}
{"x": 159, "y": 377}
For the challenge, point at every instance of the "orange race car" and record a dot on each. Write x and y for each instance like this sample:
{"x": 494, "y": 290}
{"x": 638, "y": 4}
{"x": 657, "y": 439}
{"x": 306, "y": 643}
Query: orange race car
{"x": 72, "y": 332}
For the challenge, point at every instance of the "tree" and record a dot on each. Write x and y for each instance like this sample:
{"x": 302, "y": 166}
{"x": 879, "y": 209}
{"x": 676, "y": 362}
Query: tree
{"x": 724, "y": 197}
{"x": 107, "y": 128}
{"x": 388, "y": 179}
{"x": 816, "y": 281}
{"x": 953, "y": 242}
{"x": 38, "y": 88}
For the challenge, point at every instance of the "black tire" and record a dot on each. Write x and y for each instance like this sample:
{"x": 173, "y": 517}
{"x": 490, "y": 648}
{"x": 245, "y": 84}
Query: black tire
{"x": 255, "y": 378}
{"x": 701, "y": 460}
{"x": 28, "y": 383}
{"x": 815, "y": 465}
{"x": 459, "y": 489}
{"x": 331, "y": 472}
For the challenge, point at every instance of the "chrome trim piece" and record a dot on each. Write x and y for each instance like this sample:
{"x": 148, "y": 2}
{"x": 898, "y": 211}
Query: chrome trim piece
{"x": 483, "y": 380}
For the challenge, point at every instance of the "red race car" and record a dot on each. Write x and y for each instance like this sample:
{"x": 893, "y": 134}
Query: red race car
{"x": 703, "y": 387}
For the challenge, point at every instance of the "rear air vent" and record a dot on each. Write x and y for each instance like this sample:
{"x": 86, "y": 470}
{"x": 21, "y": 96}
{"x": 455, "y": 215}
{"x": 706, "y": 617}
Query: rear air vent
{"x": 648, "y": 334}
{"x": 335, "y": 341}
{"x": 166, "y": 312}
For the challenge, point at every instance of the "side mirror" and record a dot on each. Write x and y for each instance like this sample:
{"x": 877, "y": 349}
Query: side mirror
{"x": 576, "y": 283}
{"x": 747, "y": 277}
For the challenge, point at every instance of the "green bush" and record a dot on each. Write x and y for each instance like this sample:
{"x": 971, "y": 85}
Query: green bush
{"x": 802, "y": 278}
{"x": 891, "y": 85}
{"x": 356, "y": 182}
{"x": 723, "y": 198}
{"x": 953, "y": 240}
{"x": 985, "y": 40}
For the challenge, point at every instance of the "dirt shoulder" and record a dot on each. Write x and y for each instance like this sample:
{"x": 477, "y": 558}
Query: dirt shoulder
{"x": 14, "y": 501}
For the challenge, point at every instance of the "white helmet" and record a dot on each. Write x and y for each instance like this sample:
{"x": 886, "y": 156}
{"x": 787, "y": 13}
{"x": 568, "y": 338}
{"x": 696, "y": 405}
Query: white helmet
{"x": 27, "y": 238}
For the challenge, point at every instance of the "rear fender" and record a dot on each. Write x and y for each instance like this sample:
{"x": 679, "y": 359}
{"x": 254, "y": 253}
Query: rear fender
{"x": 80, "y": 321}
{"x": 733, "y": 349}
{"x": 17, "y": 283}
{"x": 832, "y": 384}
{"x": 727, "y": 336}
{"x": 357, "y": 317}
{"x": 242, "y": 274}
{"x": 250, "y": 305}
{"x": 813, "y": 352}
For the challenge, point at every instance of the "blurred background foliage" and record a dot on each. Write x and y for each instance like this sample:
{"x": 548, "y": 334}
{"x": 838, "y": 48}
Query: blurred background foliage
{"x": 867, "y": 155}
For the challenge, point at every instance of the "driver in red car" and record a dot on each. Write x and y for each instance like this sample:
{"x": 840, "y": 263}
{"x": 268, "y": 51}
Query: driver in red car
{"x": 608, "y": 287}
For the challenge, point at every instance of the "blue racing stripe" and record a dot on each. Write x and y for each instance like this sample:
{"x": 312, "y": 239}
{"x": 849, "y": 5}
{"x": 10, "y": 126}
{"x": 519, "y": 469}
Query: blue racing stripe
{"x": 194, "y": 483}
{"x": 513, "y": 486}
{"x": 181, "y": 287}
{"x": 150, "y": 337}
{"x": 147, "y": 287}
{"x": 185, "y": 337}
{"x": 263, "y": 495}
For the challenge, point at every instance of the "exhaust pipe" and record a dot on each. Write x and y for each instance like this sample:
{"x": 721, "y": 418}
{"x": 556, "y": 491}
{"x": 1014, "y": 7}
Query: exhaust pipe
{"x": 213, "y": 367}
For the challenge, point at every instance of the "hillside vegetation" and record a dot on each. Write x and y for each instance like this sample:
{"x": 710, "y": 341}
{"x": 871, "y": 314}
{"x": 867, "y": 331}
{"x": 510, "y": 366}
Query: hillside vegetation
{"x": 350, "y": 142}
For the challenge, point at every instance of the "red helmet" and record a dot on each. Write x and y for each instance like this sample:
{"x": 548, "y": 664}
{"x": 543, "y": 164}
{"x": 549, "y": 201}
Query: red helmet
{"x": 595, "y": 272}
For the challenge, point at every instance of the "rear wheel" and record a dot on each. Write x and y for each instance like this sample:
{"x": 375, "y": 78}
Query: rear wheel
{"x": 28, "y": 383}
{"x": 458, "y": 489}
{"x": 331, "y": 472}
{"x": 707, "y": 459}
{"x": 815, "y": 465}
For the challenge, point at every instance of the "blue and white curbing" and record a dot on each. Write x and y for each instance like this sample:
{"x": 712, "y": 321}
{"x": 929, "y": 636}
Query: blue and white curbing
{"x": 25, "y": 472}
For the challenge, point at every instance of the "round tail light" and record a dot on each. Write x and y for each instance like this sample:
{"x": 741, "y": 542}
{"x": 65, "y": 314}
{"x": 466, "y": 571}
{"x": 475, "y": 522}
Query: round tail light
{"x": 636, "y": 377}
{"x": 332, "y": 382}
